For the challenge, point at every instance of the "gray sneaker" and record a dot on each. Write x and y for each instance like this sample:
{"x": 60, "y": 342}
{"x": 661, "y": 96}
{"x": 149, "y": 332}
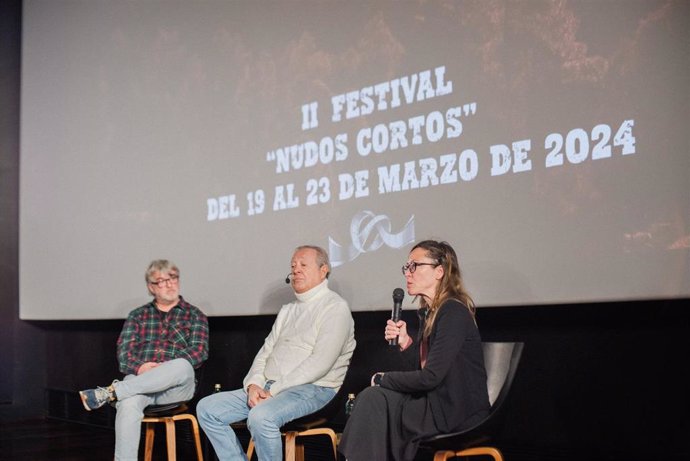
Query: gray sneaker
{"x": 96, "y": 398}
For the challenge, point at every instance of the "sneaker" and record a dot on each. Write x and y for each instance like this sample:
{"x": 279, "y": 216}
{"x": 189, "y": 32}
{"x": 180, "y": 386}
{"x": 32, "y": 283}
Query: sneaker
{"x": 96, "y": 398}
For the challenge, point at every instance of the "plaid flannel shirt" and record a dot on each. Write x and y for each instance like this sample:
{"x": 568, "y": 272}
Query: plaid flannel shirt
{"x": 150, "y": 335}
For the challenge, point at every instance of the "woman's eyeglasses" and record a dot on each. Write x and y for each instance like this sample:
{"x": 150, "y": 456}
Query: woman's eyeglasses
{"x": 412, "y": 266}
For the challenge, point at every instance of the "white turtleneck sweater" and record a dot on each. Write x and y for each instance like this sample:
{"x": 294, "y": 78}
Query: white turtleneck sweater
{"x": 312, "y": 341}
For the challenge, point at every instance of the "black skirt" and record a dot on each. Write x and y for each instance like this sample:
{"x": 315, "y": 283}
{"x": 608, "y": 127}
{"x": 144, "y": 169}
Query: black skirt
{"x": 386, "y": 425}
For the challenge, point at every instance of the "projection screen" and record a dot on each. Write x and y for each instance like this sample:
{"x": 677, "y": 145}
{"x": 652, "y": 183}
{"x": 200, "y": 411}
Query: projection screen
{"x": 547, "y": 141}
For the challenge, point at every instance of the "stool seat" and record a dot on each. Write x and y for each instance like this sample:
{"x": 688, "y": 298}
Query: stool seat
{"x": 168, "y": 409}
{"x": 169, "y": 414}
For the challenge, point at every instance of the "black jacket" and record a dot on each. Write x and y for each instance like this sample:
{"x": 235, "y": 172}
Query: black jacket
{"x": 454, "y": 377}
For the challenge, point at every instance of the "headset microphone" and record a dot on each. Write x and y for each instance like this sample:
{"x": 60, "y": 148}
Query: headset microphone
{"x": 287, "y": 279}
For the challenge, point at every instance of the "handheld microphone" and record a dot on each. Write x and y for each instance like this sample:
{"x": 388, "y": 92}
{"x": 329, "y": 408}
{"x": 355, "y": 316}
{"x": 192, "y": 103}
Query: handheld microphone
{"x": 398, "y": 295}
{"x": 287, "y": 279}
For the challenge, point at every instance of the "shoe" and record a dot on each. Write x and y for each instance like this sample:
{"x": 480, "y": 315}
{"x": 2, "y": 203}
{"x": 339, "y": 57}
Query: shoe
{"x": 96, "y": 398}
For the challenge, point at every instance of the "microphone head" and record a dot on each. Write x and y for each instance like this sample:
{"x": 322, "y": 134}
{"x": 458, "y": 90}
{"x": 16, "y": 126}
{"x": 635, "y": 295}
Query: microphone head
{"x": 398, "y": 295}
{"x": 287, "y": 279}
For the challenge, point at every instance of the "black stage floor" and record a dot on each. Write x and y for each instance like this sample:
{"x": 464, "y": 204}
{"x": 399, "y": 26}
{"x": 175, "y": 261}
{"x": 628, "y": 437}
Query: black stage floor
{"x": 56, "y": 440}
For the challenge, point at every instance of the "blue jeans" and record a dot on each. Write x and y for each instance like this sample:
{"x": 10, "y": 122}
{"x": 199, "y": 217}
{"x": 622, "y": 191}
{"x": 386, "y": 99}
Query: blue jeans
{"x": 169, "y": 382}
{"x": 217, "y": 411}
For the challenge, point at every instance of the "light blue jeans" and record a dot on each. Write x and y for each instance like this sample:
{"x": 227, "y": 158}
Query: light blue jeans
{"x": 169, "y": 382}
{"x": 217, "y": 411}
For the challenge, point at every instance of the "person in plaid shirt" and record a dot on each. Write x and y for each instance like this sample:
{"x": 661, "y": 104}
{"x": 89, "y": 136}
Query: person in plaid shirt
{"x": 160, "y": 346}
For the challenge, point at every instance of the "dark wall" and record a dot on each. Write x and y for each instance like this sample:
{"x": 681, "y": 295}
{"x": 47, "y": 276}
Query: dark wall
{"x": 601, "y": 381}
{"x": 22, "y": 354}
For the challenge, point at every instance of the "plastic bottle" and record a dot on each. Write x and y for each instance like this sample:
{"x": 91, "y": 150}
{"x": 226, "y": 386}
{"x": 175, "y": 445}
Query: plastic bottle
{"x": 349, "y": 404}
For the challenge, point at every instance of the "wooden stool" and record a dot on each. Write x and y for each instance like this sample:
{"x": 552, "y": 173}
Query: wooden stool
{"x": 304, "y": 427}
{"x": 169, "y": 414}
{"x": 294, "y": 450}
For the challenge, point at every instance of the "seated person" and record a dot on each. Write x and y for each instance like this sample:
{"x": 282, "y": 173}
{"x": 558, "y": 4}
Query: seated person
{"x": 447, "y": 391}
{"x": 160, "y": 345}
{"x": 298, "y": 370}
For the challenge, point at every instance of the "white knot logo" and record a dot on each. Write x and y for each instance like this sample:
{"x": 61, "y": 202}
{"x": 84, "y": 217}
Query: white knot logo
{"x": 369, "y": 232}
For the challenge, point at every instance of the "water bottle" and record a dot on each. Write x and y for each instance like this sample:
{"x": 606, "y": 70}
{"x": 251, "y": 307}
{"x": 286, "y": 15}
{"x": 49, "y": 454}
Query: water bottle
{"x": 349, "y": 404}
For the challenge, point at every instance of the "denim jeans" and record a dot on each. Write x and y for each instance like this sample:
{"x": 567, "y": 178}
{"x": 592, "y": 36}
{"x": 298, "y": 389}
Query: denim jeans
{"x": 169, "y": 382}
{"x": 217, "y": 411}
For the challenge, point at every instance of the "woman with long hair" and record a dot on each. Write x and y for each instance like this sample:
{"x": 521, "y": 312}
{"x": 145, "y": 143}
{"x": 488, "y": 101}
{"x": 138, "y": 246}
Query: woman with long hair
{"x": 446, "y": 392}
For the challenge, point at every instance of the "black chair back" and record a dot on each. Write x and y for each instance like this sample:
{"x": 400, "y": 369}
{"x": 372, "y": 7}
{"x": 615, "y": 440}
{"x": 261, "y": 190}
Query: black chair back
{"x": 501, "y": 360}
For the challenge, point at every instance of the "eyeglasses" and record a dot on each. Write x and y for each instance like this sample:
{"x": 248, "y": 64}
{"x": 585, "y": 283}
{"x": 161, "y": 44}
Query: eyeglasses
{"x": 162, "y": 283}
{"x": 412, "y": 266}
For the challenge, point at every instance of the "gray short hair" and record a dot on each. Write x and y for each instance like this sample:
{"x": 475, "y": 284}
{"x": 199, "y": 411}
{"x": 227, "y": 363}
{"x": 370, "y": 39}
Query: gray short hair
{"x": 162, "y": 266}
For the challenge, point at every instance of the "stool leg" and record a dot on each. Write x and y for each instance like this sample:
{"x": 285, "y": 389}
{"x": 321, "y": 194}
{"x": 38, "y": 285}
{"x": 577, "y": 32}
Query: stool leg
{"x": 290, "y": 437}
{"x": 197, "y": 438}
{"x": 334, "y": 444}
{"x": 299, "y": 451}
{"x": 150, "y": 434}
{"x": 195, "y": 432}
{"x": 170, "y": 439}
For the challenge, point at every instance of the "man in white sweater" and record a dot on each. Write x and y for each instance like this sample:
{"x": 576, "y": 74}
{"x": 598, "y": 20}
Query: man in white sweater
{"x": 298, "y": 370}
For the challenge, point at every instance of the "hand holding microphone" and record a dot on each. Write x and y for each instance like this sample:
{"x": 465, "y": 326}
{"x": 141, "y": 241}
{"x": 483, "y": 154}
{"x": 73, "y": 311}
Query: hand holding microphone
{"x": 393, "y": 330}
